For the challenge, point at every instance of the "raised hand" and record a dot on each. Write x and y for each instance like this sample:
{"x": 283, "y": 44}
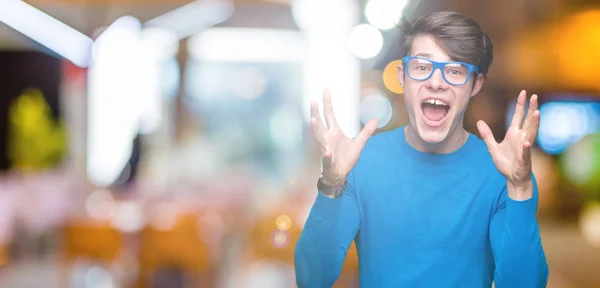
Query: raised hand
{"x": 512, "y": 156}
{"x": 339, "y": 152}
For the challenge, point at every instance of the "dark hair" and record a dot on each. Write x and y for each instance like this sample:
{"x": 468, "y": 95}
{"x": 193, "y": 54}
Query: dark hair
{"x": 461, "y": 37}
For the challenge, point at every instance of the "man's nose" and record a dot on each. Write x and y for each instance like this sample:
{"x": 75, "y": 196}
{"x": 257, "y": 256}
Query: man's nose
{"x": 436, "y": 81}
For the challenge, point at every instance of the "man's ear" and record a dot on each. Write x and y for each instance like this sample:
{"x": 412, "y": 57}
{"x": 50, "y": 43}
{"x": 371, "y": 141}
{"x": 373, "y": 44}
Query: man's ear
{"x": 478, "y": 84}
{"x": 401, "y": 75}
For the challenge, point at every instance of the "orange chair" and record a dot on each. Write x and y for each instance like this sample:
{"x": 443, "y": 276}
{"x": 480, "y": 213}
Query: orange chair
{"x": 180, "y": 247}
{"x": 3, "y": 256}
{"x": 268, "y": 243}
{"x": 97, "y": 241}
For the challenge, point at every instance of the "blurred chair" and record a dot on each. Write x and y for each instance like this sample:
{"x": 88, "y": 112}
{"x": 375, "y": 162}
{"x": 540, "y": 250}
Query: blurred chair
{"x": 269, "y": 243}
{"x": 95, "y": 241}
{"x": 178, "y": 249}
{"x": 3, "y": 255}
{"x": 265, "y": 245}
{"x": 267, "y": 252}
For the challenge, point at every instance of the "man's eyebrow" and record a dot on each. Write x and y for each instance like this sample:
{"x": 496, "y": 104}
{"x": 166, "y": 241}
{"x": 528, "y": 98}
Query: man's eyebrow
{"x": 425, "y": 55}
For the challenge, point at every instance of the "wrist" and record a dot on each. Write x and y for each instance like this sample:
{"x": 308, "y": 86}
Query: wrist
{"x": 333, "y": 183}
{"x": 333, "y": 190}
{"x": 520, "y": 191}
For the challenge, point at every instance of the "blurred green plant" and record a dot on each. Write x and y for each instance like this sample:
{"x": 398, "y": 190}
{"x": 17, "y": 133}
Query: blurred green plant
{"x": 581, "y": 165}
{"x": 35, "y": 141}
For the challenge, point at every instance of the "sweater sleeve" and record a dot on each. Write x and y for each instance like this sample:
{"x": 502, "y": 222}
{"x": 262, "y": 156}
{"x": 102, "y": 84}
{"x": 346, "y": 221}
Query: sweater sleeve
{"x": 329, "y": 230}
{"x": 516, "y": 243}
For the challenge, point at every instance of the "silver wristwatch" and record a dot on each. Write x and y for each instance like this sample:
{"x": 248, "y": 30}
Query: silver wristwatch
{"x": 331, "y": 191}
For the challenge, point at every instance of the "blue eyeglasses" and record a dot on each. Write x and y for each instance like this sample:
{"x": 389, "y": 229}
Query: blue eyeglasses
{"x": 454, "y": 73}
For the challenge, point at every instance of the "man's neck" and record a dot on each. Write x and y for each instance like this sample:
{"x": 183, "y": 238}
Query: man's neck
{"x": 456, "y": 138}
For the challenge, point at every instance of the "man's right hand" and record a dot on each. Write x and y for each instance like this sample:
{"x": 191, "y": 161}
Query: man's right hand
{"x": 339, "y": 152}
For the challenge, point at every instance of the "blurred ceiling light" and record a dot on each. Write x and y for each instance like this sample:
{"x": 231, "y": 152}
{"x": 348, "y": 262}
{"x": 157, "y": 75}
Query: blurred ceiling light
{"x": 247, "y": 45}
{"x": 384, "y": 14}
{"x": 365, "y": 41}
{"x": 46, "y": 30}
{"x": 159, "y": 43}
{"x": 194, "y": 17}
{"x": 323, "y": 17}
{"x": 156, "y": 47}
{"x": 113, "y": 106}
{"x": 329, "y": 63}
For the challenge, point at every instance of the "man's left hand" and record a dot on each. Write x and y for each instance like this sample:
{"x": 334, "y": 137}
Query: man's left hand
{"x": 512, "y": 156}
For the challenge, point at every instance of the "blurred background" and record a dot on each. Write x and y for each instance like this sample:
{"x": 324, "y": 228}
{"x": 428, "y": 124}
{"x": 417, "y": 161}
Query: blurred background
{"x": 154, "y": 143}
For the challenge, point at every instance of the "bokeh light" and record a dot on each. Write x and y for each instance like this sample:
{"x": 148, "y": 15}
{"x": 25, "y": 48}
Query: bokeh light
{"x": 564, "y": 123}
{"x": 589, "y": 223}
{"x": 581, "y": 165}
{"x": 248, "y": 83}
{"x": 97, "y": 277}
{"x": 365, "y": 41}
{"x": 376, "y": 106}
{"x": 283, "y": 222}
{"x": 163, "y": 216}
{"x": 390, "y": 77}
{"x": 100, "y": 204}
{"x": 280, "y": 239}
{"x": 128, "y": 217}
{"x": 578, "y": 50}
{"x": 384, "y": 14}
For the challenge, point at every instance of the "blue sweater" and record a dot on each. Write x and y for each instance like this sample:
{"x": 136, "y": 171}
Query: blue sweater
{"x": 424, "y": 220}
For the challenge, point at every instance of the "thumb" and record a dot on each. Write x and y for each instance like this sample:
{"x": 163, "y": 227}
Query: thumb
{"x": 486, "y": 135}
{"x": 366, "y": 132}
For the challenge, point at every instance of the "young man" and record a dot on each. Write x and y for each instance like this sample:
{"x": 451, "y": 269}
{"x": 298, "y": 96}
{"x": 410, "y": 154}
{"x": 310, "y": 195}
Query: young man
{"x": 429, "y": 204}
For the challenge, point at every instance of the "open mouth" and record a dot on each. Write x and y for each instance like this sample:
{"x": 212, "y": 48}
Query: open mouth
{"x": 435, "y": 110}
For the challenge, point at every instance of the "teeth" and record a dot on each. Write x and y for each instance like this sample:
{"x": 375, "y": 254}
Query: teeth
{"x": 436, "y": 102}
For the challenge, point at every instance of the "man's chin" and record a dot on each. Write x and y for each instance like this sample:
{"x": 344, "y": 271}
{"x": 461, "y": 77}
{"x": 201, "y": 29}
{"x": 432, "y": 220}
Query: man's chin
{"x": 433, "y": 135}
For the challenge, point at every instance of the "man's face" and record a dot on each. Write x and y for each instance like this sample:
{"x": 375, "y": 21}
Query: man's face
{"x": 433, "y": 123}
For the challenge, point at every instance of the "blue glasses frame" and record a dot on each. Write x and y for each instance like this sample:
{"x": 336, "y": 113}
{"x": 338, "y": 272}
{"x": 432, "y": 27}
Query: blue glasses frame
{"x": 440, "y": 65}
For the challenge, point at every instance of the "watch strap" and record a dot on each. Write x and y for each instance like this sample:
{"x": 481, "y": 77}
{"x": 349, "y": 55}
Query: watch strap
{"x": 329, "y": 190}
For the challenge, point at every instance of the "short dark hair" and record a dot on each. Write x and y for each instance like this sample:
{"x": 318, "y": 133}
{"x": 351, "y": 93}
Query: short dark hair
{"x": 460, "y": 36}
